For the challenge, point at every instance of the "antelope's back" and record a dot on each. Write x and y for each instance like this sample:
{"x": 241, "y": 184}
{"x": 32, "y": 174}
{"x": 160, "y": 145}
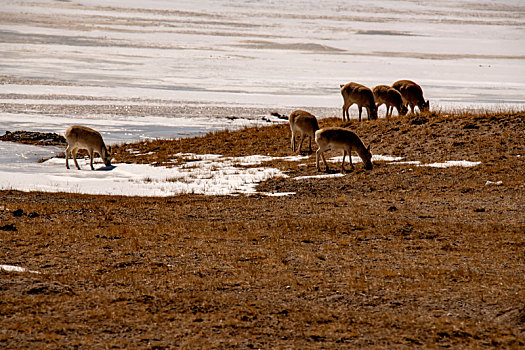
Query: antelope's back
{"x": 304, "y": 121}
{"x": 358, "y": 93}
{"x": 82, "y": 136}
{"x": 394, "y": 96}
{"x": 381, "y": 92}
{"x": 409, "y": 90}
{"x": 335, "y": 136}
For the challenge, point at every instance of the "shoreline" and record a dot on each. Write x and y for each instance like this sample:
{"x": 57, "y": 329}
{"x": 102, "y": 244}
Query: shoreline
{"x": 235, "y": 161}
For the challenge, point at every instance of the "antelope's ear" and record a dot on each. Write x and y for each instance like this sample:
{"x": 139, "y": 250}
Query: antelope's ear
{"x": 368, "y": 148}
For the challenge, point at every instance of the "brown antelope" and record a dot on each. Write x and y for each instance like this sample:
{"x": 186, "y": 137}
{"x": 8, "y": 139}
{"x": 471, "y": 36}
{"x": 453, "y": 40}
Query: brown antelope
{"x": 360, "y": 95}
{"x": 82, "y": 137}
{"x": 341, "y": 139}
{"x": 412, "y": 95}
{"x": 384, "y": 94}
{"x": 305, "y": 124}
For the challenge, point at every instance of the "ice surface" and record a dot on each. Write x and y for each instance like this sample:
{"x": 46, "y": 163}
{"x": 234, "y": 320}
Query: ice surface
{"x": 13, "y": 155}
{"x": 273, "y": 54}
{"x": 122, "y": 129}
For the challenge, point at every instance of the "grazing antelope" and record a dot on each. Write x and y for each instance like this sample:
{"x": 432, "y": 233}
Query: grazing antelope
{"x": 360, "y": 95}
{"x": 412, "y": 95}
{"x": 341, "y": 139}
{"x": 82, "y": 137}
{"x": 384, "y": 94}
{"x": 305, "y": 124}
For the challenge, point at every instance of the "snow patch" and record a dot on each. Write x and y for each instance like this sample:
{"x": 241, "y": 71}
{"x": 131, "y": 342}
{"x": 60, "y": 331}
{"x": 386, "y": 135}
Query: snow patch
{"x": 278, "y": 194}
{"x": 493, "y": 183}
{"x": 397, "y": 160}
{"x": 451, "y": 163}
{"x": 11, "y": 268}
{"x": 203, "y": 174}
{"x": 24, "y": 168}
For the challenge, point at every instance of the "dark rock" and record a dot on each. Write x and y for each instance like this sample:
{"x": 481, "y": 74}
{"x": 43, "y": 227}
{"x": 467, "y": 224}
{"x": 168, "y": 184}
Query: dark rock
{"x": 18, "y": 213}
{"x": 48, "y": 288}
{"x": 35, "y": 138}
{"x": 8, "y": 227}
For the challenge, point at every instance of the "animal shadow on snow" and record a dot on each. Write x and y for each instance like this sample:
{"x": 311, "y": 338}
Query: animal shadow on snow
{"x": 106, "y": 168}
{"x": 306, "y": 152}
{"x": 338, "y": 170}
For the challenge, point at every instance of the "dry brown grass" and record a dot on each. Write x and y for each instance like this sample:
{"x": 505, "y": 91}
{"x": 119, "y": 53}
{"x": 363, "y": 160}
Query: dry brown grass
{"x": 396, "y": 257}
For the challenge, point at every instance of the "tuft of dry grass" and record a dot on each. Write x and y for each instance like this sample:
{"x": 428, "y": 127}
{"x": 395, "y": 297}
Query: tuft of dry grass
{"x": 397, "y": 257}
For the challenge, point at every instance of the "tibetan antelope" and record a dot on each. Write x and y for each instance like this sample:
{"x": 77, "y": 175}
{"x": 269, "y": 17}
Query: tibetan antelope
{"x": 82, "y": 137}
{"x": 360, "y": 95}
{"x": 341, "y": 139}
{"x": 305, "y": 124}
{"x": 412, "y": 95}
{"x": 390, "y": 97}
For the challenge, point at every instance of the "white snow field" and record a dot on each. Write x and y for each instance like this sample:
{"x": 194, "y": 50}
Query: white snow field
{"x": 209, "y": 174}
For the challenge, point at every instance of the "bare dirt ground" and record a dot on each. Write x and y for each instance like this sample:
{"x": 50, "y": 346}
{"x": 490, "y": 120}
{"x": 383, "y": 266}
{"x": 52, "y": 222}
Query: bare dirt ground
{"x": 397, "y": 257}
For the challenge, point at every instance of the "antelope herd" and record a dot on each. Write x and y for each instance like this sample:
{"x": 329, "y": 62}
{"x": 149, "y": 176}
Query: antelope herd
{"x": 400, "y": 95}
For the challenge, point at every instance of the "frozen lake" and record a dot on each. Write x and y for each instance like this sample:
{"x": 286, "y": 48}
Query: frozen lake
{"x": 162, "y": 69}
{"x": 257, "y": 54}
